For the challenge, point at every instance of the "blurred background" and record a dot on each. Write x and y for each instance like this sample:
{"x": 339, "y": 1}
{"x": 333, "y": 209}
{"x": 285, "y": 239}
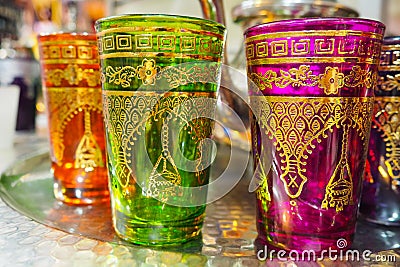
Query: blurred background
{"x": 51, "y": 15}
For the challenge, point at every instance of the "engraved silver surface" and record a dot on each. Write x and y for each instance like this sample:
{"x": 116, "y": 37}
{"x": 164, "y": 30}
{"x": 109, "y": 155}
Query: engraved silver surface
{"x": 228, "y": 234}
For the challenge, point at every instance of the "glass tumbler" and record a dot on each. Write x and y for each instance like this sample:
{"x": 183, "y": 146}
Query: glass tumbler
{"x": 311, "y": 84}
{"x": 380, "y": 202}
{"x": 160, "y": 77}
{"x": 72, "y": 93}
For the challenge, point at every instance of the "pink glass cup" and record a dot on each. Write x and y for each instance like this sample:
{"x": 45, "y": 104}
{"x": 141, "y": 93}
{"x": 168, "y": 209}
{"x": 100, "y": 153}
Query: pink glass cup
{"x": 311, "y": 87}
{"x": 380, "y": 202}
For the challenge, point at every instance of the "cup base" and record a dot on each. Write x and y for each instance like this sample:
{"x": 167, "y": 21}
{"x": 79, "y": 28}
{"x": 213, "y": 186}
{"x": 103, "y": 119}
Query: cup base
{"x": 384, "y": 221}
{"x": 172, "y": 233}
{"x": 380, "y": 204}
{"x": 80, "y": 196}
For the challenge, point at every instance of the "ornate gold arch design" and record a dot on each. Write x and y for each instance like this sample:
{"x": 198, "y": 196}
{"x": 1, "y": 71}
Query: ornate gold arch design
{"x": 386, "y": 120}
{"x": 126, "y": 114}
{"x": 295, "y": 124}
{"x": 64, "y": 104}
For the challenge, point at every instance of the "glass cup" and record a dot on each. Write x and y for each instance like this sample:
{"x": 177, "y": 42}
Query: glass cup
{"x": 72, "y": 93}
{"x": 311, "y": 84}
{"x": 380, "y": 202}
{"x": 160, "y": 75}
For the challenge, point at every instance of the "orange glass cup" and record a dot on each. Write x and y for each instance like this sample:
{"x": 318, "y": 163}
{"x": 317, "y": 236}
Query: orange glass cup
{"x": 72, "y": 93}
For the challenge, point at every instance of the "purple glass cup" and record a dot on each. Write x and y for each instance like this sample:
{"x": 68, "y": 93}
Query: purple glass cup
{"x": 311, "y": 87}
{"x": 380, "y": 201}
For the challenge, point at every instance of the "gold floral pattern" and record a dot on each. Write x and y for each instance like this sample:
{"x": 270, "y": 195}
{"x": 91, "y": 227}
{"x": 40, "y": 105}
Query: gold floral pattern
{"x": 55, "y": 76}
{"x": 174, "y": 76}
{"x": 147, "y": 71}
{"x": 119, "y": 76}
{"x": 359, "y": 77}
{"x": 389, "y": 83}
{"x": 73, "y": 74}
{"x": 92, "y": 77}
{"x": 181, "y": 75}
{"x": 331, "y": 80}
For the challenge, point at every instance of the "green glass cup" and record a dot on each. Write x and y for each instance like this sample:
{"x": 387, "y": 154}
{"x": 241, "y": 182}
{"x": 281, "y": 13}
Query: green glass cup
{"x": 160, "y": 78}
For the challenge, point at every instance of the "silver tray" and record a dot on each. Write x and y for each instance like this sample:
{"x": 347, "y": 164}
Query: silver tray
{"x": 40, "y": 229}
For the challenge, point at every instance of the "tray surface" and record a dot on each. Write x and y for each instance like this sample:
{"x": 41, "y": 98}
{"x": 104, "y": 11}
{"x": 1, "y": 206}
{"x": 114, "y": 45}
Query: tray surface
{"x": 49, "y": 231}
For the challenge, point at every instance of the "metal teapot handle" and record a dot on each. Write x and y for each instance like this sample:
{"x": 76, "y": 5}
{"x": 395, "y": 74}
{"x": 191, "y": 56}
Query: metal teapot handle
{"x": 213, "y": 10}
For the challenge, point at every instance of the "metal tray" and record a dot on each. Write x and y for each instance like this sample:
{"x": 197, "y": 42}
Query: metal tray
{"x": 228, "y": 233}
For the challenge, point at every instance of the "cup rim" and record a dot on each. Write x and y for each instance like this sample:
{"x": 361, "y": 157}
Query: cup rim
{"x": 155, "y": 16}
{"x": 64, "y": 33}
{"x": 391, "y": 40}
{"x": 287, "y": 23}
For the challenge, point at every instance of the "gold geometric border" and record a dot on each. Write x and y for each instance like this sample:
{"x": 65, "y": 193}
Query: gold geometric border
{"x": 331, "y": 33}
{"x": 69, "y": 52}
{"x": 390, "y": 58}
{"x": 158, "y": 54}
{"x": 300, "y": 60}
{"x": 314, "y": 46}
{"x": 161, "y": 44}
{"x": 330, "y": 81}
{"x": 155, "y": 29}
